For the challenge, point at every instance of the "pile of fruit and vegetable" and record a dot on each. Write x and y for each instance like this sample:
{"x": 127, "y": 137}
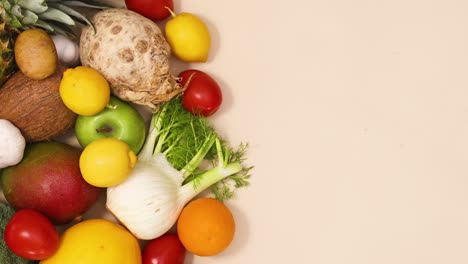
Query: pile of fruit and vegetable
{"x": 164, "y": 176}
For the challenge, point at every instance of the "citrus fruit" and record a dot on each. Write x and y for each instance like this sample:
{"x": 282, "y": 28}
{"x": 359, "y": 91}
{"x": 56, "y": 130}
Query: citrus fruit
{"x": 84, "y": 90}
{"x": 188, "y": 37}
{"x": 107, "y": 162}
{"x": 96, "y": 241}
{"x": 206, "y": 227}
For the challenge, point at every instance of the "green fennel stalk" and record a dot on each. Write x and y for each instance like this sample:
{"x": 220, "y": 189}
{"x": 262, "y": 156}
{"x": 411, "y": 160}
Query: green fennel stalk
{"x": 182, "y": 157}
{"x": 189, "y": 142}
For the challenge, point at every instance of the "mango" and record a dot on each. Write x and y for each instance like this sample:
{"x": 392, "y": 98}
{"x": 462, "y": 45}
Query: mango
{"x": 48, "y": 179}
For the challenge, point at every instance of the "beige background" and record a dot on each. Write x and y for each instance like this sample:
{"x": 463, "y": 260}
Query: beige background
{"x": 357, "y": 117}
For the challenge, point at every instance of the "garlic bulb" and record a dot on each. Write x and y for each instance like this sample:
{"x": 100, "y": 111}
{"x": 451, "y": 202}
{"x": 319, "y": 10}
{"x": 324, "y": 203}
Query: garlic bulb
{"x": 12, "y": 144}
{"x": 68, "y": 51}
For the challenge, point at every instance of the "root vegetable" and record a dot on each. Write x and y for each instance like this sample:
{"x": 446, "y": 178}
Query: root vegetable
{"x": 131, "y": 52}
{"x": 35, "y": 106}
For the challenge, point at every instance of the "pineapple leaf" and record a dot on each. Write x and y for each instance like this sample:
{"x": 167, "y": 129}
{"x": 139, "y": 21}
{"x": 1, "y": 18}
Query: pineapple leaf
{"x": 86, "y": 4}
{"x": 81, "y": 23}
{"x": 57, "y": 15}
{"x": 71, "y": 12}
{"x": 6, "y": 5}
{"x": 44, "y": 25}
{"x": 64, "y": 32}
{"x": 16, "y": 11}
{"x": 36, "y": 6}
{"x": 62, "y": 29}
{"x": 15, "y": 23}
{"x": 5, "y": 17}
{"x": 28, "y": 18}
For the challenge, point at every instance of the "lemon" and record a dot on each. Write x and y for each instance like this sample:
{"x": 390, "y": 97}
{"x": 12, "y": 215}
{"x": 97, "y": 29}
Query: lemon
{"x": 96, "y": 241}
{"x": 188, "y": 37}
{"x": 84, "y": 90}
{"x": 107, "y": 162}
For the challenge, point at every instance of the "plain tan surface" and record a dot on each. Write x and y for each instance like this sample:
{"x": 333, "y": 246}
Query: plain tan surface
{"x": 357, "y": 117}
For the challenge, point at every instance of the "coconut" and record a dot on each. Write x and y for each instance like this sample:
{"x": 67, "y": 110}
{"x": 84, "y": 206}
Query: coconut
{"x": 35, "y": 106}
{"x": 130, "y": 51}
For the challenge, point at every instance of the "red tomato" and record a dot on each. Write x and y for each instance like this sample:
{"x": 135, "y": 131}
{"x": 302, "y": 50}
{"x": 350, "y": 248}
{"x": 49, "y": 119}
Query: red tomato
{"x": 152, "y": 9}
{"x": 203, "y": 95}
{"x": 31, "y": 235}
{"x": 166, "y": 249}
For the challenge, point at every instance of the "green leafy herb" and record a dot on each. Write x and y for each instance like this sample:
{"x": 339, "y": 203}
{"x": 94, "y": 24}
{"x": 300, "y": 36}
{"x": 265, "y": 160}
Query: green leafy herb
{"x": 187, "y": 141}
{"x": 183, "y": 156}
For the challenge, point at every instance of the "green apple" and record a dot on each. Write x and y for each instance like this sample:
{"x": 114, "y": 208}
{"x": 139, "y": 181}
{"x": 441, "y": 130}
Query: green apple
{"x": 120, "y": 120}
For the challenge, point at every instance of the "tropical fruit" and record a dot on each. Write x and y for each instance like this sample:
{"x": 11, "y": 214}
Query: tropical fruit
{"x": 48, "y": 180}
{"x": 96, "y": 241}
{"x": 35, "y": 106}
{"x": 54, "y": 16}
{"x": 7, "y": 58}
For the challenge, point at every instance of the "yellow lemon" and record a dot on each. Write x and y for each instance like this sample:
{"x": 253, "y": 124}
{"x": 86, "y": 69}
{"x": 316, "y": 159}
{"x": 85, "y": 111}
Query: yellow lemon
{"x": 84, "y": 90}
{"x": 188, "y": 37}
{"x": 107, "y": 162}
{"x": 96, "y": 241}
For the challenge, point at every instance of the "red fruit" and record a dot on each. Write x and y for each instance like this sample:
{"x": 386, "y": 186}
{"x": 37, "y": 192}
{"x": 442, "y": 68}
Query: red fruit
{"x": 203, "y": 95}
{"x": 31, "y": 235}
{"x": 48, "y": 180}
{"x": 166, "y": 249}
{"x": 152, "y": 9}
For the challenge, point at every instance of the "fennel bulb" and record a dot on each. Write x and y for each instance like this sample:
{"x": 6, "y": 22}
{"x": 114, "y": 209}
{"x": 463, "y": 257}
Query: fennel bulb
{"x": 170, "y": 172}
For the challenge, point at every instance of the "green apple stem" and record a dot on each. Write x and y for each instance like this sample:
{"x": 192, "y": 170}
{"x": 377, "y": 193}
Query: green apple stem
{"x": 112, "y": 107}
{"x": 170, "y": 11}
{"x": 105, "y": 129}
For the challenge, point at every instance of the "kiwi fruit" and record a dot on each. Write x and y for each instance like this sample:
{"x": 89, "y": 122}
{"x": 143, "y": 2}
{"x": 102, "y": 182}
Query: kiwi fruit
{"x": 35, "y": 54}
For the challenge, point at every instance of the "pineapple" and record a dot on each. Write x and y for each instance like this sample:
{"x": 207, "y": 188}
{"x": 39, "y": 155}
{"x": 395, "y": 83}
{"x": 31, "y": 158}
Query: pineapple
{"x": 7, "y": 62}
{"x": 54, "y": 16}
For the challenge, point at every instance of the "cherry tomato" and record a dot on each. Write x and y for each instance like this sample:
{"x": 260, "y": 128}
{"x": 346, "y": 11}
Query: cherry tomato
{"x": 31, "y": 235}
{"x": 203, "y": 95}
{"x": 152, "y": 9}
{"x": 166, "y": 249}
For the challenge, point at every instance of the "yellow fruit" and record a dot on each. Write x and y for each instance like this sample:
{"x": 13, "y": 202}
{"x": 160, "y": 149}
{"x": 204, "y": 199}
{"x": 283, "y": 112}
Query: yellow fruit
{"x": 96, "y": 241}
{"x": 84, "y": 90}
{"x": 107, "y": 162}
{"x": 188, "y": 37}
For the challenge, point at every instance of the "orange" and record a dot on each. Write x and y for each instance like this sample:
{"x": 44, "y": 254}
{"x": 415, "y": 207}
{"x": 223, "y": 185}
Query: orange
{"x": 206, "y": 227}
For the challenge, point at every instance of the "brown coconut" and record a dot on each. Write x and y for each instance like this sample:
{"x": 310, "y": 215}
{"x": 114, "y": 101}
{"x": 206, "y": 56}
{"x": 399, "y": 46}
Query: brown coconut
{"x": 35, "y": 106}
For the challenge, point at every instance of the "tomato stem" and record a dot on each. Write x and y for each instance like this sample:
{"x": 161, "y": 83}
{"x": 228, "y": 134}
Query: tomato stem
{"x": 188, "y": 81}
{"x": 170, "y": 11}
